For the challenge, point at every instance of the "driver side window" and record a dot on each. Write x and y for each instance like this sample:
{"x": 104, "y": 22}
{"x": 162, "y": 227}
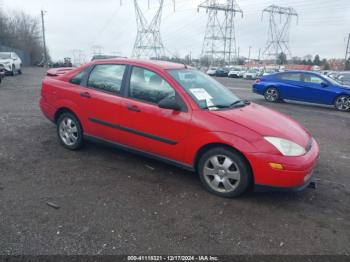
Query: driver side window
{"x": 148, "y": 86}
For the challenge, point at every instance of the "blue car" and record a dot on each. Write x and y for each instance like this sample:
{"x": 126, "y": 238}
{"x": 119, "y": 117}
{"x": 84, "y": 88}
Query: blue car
{"x": 303, "y": 86}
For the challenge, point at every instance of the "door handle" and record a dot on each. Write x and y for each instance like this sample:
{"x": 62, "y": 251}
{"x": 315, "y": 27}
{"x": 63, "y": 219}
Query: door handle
{"x": 85, "y": 94}
{"x": 133, "y": 108}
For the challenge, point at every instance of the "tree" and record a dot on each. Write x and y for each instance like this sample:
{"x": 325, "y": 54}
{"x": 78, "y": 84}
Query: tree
{"x": 325, "y": 64}
{"x": 317, "y": 60}
{"x": 22, "y": 31}
{"x": 281, "y": 59}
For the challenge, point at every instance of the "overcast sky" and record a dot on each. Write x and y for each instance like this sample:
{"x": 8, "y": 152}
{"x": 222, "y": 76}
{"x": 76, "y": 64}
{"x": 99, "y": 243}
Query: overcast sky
{"x": 79, "y": 24}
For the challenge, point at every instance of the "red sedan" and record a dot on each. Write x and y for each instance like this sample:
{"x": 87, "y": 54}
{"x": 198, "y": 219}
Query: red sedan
{"x": 179, "y": 115}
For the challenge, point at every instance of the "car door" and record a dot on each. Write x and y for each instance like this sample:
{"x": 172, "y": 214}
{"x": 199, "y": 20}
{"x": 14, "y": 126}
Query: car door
{"x": 290, "y": 85}
{"x": 317, "y": 89}
{"x": 101, "y": 99}
{"x": 149, "y": 127}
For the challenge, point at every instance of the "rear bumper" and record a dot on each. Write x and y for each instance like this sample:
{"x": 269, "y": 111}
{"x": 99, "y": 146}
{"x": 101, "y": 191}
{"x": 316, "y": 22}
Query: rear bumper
{"x": 48, "y": 110}
{"x": 295, "y": 175}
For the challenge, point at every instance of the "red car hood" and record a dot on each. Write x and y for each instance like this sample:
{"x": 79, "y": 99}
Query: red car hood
{"x": 267, "y": 122}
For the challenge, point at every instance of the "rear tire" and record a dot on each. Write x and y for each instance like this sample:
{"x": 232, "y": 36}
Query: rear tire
{"x": 342, "y": 103}
{"x": 20, "y": 70}
{"x": 69, "y": 131}
{"x": 224, "y": 172}
{"x": 271, "y": 94}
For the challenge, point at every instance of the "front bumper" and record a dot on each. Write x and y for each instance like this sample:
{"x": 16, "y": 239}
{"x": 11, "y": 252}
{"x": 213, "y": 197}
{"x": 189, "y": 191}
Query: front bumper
{"x": 7, "y": 68}
{"x": 295, "y": 175}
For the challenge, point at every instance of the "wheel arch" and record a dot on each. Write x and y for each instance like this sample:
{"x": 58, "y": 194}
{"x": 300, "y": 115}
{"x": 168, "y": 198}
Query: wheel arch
{"x": 63, "y": 110}
{"x": 340, "y": 94}
{"x": 209, "y": 146}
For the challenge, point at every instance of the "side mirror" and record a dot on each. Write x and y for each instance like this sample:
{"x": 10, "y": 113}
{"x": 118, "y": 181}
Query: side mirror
{"x": 323, "y": 84}
{"x": 169, "y": 103}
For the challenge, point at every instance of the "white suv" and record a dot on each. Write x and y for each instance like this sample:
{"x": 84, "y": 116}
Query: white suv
{"x": 11, "y": 62}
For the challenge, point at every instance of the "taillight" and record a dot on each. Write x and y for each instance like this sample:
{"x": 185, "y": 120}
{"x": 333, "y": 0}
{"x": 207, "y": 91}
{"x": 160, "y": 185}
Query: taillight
{"x": 257, "y": 81}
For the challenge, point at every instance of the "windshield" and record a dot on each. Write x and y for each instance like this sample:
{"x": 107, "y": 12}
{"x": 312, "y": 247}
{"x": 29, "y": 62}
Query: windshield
{"x": 204, "y": 90}
{"x": 5, "y": 56}
{"x": 252, "y": 71}
{"x": 331, "y": 80}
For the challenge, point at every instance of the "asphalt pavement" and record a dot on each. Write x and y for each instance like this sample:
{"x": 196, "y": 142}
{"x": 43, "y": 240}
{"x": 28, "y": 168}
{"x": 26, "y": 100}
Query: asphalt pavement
{"x": 105, "y": 201}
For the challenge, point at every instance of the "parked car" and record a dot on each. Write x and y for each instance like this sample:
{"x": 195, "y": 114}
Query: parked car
{"x": 304, "y": 86}
{"x": 212, "y": 71}
{"x": 344, "y": 79}
{"x": 251, "y": 74}
{"x": 177, "y": 114}
{"x": 269, "y": 72}
{"x": 222, "y": 72}
{"x": 236, "y": 73}
{"x": 11, "y": 63}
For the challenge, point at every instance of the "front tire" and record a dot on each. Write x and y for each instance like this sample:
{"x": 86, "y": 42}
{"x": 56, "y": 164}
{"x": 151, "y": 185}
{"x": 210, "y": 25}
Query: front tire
{"x": 342, "y": 103}
{"x": 69, "y": 131}
{"x": 20, "y": 70}
{"x": 13, "y": 72}
{"x": 271, "y": 94}
{"x": 224, "y": 172}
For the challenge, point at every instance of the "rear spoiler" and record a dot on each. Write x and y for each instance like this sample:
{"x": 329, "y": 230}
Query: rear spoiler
{"x": 59, "y": 71}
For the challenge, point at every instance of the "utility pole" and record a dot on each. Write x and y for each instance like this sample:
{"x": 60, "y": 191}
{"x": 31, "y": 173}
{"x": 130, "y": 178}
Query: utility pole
{"x": 279, "y": 29}
{"x": 259, "y": 55}
{"x": 219, "y": 43}
{"x": 249, "y": 56}
{"x": 347, "y": 52}
{"x": 44, "y": 38}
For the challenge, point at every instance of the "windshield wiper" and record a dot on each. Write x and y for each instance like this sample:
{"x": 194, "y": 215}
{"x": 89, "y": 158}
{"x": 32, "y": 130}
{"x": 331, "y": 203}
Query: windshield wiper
{"x": 217, "y": 106}
{"x": 240, "y": 103}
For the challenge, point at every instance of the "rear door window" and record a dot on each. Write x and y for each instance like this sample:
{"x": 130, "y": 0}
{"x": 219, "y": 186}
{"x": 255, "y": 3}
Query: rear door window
{"x": 290, "y": 76}
{"x": 107, "y": 78}
{"x": 76, "y": 80}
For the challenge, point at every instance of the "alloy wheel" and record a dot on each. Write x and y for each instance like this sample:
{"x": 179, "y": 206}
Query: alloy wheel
{"x": 271, "y": 95}
{"x": 68, "y": 131}
{"x": 342, "y": 103}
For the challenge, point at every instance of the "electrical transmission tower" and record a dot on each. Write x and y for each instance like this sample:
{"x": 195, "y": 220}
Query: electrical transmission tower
{"x": 280, "y": 19}
{"x": 219, "y": 44}
{"x": 148, "y": 43}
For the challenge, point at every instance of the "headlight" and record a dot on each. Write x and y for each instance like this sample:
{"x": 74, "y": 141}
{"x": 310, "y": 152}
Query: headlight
{"x": 286, "y": 147}
{"x": 7, "y": 63}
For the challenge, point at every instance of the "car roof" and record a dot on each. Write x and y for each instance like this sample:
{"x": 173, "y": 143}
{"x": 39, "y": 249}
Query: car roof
{"x": 143, "y": 62}
{"x": 300, "y": 71}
